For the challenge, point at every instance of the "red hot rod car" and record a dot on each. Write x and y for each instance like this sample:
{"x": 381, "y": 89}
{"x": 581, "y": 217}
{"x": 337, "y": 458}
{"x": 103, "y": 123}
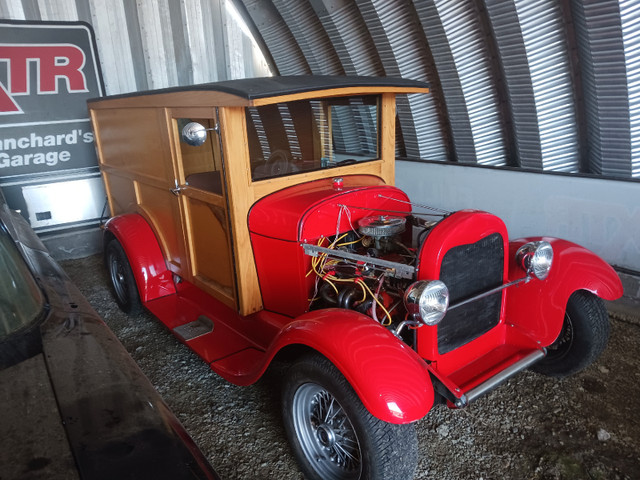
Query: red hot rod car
{"x": 257, "y": 219}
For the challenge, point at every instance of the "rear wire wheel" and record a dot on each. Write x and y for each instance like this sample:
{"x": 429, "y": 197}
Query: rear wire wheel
{"x": 122, "y": 280}
{"x": 332, "y": 434}
{"x": 584, "y": 336}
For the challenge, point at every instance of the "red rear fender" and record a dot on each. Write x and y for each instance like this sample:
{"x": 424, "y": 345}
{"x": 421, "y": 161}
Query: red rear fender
{"x": 388, "y": 376}
{"x": 139, "y": 242}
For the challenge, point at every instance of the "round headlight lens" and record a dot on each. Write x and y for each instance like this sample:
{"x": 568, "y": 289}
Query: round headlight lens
{"x": 536, "y": 258}
{"x": 427, "y": 300}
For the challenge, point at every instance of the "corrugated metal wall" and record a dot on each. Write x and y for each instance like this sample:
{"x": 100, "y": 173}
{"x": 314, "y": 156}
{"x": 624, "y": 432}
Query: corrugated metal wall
{"x": 545, "y": 85}
{"x": 148, "y": 44}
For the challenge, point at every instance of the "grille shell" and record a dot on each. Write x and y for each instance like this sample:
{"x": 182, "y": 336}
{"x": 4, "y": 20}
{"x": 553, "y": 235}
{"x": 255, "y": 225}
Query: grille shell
{"x": 469, "y": 270}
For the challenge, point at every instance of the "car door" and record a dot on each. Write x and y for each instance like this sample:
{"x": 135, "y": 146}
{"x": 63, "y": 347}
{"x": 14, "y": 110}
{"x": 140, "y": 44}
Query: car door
{"x": 203, "y": 201}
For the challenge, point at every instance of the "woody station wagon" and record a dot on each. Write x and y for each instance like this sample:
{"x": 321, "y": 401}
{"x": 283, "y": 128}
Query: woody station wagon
{"x": 257, "y": 219}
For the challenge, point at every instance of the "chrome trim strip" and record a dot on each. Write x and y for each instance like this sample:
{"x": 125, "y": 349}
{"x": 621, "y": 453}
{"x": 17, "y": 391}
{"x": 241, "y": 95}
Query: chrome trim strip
{"x": 489, "y": 292}
{"x": 397, "y": 270}
{"x": 502, "y": 377}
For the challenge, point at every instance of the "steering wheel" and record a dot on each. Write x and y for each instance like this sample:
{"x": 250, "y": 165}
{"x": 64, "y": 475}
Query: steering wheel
{"x": 280, "y": 163}
{"x": 348, "y": 161}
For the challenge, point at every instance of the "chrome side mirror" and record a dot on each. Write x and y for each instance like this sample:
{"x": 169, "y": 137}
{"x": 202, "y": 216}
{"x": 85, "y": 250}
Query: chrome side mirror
{"x": 194, "y": 134}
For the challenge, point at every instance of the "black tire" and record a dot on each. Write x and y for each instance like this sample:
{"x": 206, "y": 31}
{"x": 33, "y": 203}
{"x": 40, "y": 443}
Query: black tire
{"x": 348, "y": 444}
{"x": 123, "y": 282}
{"x": 583, "y": 338}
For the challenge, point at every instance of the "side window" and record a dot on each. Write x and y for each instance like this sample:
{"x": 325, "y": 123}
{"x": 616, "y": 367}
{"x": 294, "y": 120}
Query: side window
{"x": 201, "y": 164}
{"x": 354, "y": 132}
{"x": 20, "y": 298}
{"x": 306, "y": 135}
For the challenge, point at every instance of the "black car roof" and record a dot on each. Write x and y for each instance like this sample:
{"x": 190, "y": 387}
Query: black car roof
{"x": 263, "y": 87}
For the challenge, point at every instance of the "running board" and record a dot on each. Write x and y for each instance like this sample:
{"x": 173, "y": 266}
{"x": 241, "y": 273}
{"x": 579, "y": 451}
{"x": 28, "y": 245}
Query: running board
{"x": 500, "y": 378}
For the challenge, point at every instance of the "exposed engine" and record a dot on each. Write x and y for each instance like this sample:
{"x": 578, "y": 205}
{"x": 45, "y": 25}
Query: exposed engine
{"x": 369, "y": 269}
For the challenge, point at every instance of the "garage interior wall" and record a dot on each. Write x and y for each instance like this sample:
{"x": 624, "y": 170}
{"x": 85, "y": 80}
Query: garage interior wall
{"x": 148, "y": 44}
{"x": 534, "y": 107}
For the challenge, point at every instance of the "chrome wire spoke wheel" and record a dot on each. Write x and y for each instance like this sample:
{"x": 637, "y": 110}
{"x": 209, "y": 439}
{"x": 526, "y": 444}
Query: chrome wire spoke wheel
{"x": 326, "y": 434}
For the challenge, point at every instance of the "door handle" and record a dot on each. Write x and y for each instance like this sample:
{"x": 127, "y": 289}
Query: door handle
{"x": 178, "y": 188}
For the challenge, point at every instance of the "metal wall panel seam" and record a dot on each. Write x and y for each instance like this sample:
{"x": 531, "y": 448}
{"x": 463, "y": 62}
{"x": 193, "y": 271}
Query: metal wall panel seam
{"x": 11, "y": 10}
{"x": 285, "y": 51}
{"x": 630, "y": 18}
{"x": 393, "y": 26}
{"x": 31, "y": 10}
{"x": 157, "y": 40}
{"x": 114, "y": 49}
{"x": 307, "y": 30}
{"x": 135, "y": 33}
{"x": 457, "y": 113}
{"x": 546, "y": 53}
{"x": 512, "y": 56}
{"x": 61, "y": 10}
{"x": 215, "y": 56}
{"x": 181, "y": 50}
{"x": 354, "y": 46}
{"x": 234, "y": 45}
{"x": 197, "y": 45}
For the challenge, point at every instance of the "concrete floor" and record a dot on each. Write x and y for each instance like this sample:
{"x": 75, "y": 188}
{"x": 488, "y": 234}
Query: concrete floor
{"x": 533, "y": 427}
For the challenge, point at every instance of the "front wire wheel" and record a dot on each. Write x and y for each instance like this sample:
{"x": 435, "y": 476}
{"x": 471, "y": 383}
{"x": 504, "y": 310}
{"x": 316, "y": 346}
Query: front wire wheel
{"x": 584, "y": 336}
{"x": 325, "y": 433}
{"x": 332, "y": 434}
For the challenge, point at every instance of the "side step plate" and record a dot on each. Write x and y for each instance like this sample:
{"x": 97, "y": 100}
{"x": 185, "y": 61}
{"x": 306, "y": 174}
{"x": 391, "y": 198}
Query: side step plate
{"x": 195, "y": 329}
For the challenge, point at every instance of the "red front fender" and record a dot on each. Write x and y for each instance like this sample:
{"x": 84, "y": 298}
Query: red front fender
{"x": 388, "y": 376}
{"x": 540, "y": 304}
{"x": 139, "y": 242}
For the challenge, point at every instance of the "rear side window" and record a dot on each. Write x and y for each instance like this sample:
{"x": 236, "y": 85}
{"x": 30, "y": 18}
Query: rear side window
{"x": 21, "y": 300}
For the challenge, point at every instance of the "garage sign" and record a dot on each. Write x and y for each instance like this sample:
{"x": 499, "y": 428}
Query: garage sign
{"x": 47, "y": 73}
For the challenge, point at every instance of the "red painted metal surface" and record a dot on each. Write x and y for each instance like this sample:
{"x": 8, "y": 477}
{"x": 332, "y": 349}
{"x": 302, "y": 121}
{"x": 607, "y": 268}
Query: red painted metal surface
{"x": 574, "y": 268}
{"x": 389, "y": 377}
{"x": 461, "y": 228}
{"x": 532, "y": 313}
{"x": 139, "y": 242}
{"x": 282, "y": 267}
{"x": 279, "y": 215}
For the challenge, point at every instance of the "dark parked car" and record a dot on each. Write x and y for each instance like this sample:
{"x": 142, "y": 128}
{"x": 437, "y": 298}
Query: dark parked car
{"x": 74, "y": 403}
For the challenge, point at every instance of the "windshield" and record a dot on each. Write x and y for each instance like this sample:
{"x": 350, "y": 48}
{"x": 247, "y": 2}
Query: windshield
{"x": 20, "y": 298}
{"x": 306, "y": 135}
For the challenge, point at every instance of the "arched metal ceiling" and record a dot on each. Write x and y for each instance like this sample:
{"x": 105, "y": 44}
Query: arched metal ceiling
{"x": 547, "y": 85}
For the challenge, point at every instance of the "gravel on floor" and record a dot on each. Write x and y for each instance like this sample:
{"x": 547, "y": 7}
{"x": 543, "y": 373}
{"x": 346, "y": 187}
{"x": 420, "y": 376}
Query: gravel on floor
{"x": 533, "y": 427}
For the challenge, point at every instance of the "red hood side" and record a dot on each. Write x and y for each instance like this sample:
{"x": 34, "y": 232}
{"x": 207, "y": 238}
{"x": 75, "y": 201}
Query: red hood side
{"x": 308, "y": 210}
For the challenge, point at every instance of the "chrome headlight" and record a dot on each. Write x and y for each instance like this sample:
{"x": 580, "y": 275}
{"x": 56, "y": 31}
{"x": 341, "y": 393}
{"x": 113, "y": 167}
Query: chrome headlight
{"x": 536, "y": 258}
{"x": 428, "y": 300}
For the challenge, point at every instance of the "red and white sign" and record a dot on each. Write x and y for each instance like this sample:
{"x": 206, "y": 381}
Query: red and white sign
{"x": 48, "y": 71}
{"x": 54, "y": 64}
